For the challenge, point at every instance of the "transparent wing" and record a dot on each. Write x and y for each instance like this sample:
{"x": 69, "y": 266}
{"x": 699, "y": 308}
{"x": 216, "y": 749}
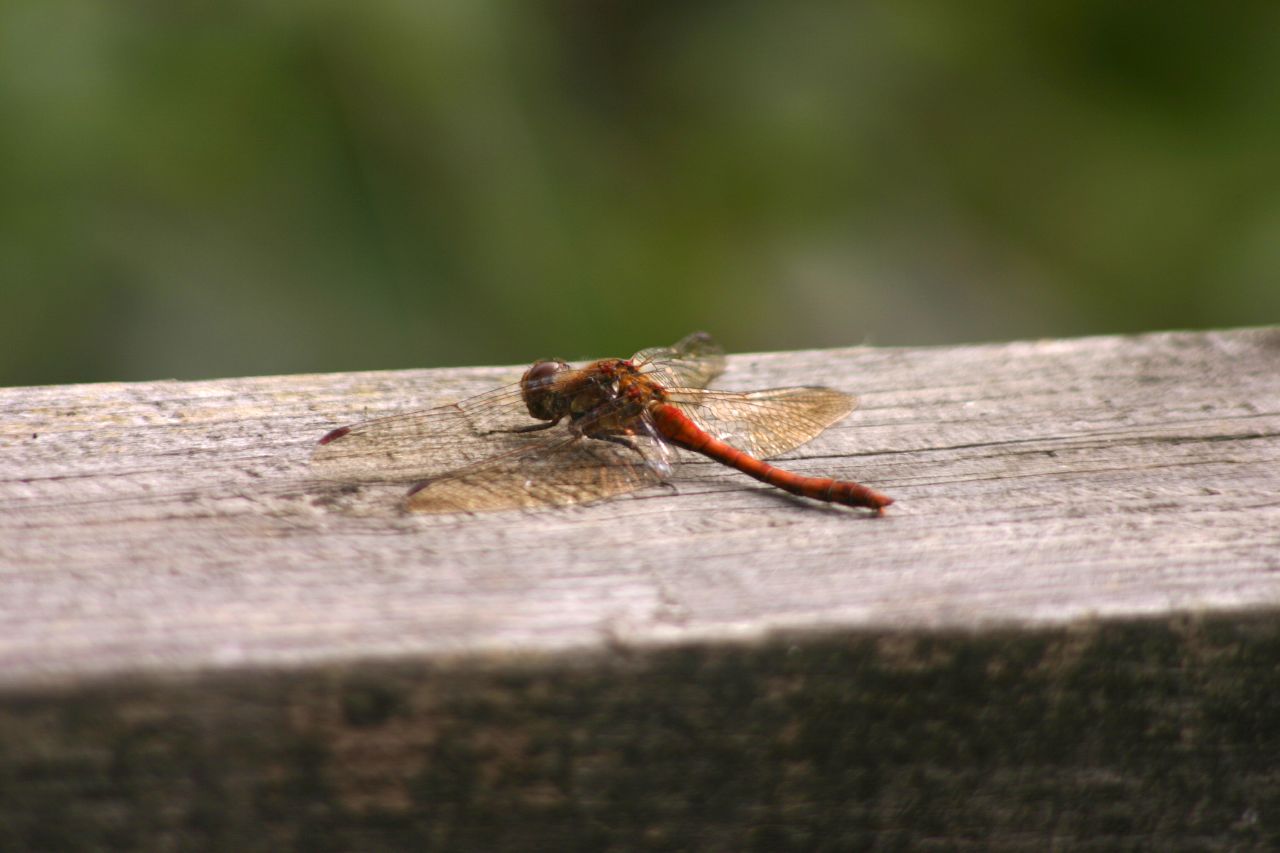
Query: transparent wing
{"x": 469, "y": 456}
{"x": 412, "y": 446}
{"x": 764, "y": 423}
{"x": 572, "y": 470}
{"x": 691, "y": 362}
{"x": 464, "y": 457}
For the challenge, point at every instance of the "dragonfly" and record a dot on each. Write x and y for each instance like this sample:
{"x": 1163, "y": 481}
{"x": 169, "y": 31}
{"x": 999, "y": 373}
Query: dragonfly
{"x": 566, "y": 435}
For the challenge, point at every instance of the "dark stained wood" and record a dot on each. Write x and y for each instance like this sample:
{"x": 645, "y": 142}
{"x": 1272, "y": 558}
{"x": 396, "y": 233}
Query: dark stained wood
{"x": 1063, "y": 630}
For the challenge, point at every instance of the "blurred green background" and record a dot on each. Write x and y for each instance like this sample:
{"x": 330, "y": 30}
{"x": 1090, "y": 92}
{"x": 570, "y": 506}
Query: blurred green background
{"x": 211, "y": 189}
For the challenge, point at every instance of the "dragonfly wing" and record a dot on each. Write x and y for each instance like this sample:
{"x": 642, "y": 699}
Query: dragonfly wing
{"x": 571, "y": 470}
{"x": 465, "y": 456}
{"x": 764, "y": 423}
{"x": 412, "y": 446}
{"x": 692, "y": 362}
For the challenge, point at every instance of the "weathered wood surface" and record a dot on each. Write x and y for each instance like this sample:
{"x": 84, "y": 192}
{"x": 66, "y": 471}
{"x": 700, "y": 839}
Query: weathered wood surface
{"x": 169, "y": 524}
{"x": 171, "y": 581}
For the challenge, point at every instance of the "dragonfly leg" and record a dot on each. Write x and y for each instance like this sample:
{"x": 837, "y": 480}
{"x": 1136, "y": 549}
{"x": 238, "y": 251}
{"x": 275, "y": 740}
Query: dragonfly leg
{"x": 657, "y": 462}
{"x": 616, "y": 439}
{"x": 526, "y": 428}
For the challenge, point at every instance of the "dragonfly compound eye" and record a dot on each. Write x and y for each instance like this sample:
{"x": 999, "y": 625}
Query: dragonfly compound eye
{"x": 542, "y": 373}
{"x": 537, "y": 386}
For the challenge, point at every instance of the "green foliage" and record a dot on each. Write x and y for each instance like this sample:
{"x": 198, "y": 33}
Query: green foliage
{"x": 199, "y": 189}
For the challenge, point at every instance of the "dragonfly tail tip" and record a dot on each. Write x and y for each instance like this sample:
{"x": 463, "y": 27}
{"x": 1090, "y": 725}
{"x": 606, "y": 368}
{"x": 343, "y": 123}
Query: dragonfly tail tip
{"x": 334, "y": 434}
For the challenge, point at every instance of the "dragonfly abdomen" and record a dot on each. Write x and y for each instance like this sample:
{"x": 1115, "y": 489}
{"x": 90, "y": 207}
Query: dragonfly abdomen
{"x": 681, "y": 431}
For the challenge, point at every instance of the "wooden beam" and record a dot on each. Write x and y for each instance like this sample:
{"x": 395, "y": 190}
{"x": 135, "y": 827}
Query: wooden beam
{"x": 1085, "y": 545}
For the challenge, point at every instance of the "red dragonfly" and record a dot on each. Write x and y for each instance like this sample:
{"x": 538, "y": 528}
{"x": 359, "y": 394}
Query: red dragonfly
{"x": 600, "y": 430}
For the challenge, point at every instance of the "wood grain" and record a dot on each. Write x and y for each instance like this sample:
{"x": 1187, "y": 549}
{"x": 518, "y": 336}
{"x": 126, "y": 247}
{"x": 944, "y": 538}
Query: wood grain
{"x": 166, "y": 533}
{"x": 171, "y": 524}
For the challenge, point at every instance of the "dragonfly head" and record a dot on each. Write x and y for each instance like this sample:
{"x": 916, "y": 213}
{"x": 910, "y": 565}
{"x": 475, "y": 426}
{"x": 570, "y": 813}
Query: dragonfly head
{"x": 538, "y": 387}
